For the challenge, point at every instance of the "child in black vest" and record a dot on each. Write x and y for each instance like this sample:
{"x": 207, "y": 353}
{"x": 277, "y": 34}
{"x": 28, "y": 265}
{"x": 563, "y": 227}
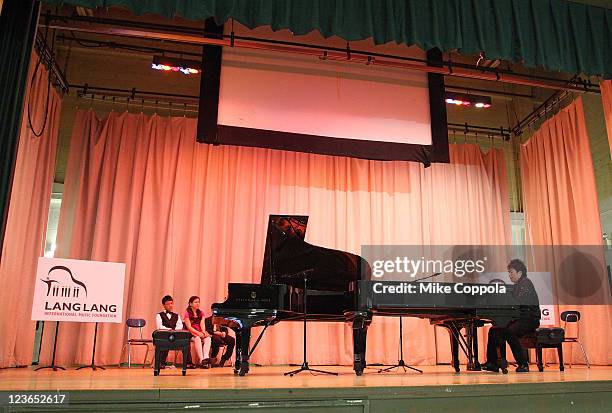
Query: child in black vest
{"x": 168, "y": 320}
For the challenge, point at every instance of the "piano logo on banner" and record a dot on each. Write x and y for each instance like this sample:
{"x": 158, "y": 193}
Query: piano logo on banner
{"x": 68, "y": 294}
{"x": 71, "y": 288}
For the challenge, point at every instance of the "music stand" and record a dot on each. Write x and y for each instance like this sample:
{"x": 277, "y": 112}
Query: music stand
{"x": 400, "y": 362}
{"x": 52, "y": 365}
{"x": 93, "y": 354}
{"x": 305, "y": 366}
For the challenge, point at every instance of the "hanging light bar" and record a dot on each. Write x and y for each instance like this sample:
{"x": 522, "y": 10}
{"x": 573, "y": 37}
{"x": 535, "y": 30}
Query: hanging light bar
{"x": 173, "y": 64}
{"x": 462, "y": 99}
{"x": 176, "y": 34}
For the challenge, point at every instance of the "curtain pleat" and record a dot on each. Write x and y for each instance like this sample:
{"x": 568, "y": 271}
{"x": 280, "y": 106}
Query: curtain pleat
{"x": 606, "y": 97}
{"x": 561, "y": 208}
{"x": 27, "y": 217}
{"x": 189, "y": 218}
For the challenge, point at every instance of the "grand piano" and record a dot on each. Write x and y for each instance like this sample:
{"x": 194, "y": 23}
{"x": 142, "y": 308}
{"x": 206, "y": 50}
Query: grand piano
{"x": 288, "y": 260}
{"x": 340, "y": 289}
{"x": 453, "y": 311}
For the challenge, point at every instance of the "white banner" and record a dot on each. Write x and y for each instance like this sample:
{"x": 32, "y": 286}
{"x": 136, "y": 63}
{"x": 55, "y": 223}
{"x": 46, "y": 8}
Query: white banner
{"x": 542, "y": 282}
{"x": 548, "y": 315}
{"x": 78, "y": 291}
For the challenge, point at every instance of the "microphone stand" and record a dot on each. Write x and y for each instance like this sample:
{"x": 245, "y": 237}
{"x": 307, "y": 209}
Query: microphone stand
{"x": 305, "y": 366}
{"x": 271, "y": 258}
{"x": 435, "y": 274}
{"x": 400, "y": 362}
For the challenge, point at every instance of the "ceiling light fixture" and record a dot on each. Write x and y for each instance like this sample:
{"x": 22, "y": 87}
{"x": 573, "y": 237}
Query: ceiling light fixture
{"x": 173, "y": 64}
{"x": 462, "y": 99}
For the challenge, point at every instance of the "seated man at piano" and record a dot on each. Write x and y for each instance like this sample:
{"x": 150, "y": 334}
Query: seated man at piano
{"x": 220, "y": 338}
{"x": 529, "y": 309}
{"x": 168, "y": 320}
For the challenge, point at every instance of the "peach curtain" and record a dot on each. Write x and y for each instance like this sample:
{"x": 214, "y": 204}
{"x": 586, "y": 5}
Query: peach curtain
{"x": 27, "y": 219}
{"x": 188, "y": 218}
{"x": 606, "y": 98}
{"x": 561, "y": 208}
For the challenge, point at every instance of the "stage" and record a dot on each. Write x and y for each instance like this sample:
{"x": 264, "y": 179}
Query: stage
{"x": 266, "y": 389}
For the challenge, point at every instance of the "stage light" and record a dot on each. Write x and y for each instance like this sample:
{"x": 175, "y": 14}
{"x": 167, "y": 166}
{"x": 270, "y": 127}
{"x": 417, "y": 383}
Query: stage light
{"x": 461, "y": 99}
{"x": 173, "y": 64}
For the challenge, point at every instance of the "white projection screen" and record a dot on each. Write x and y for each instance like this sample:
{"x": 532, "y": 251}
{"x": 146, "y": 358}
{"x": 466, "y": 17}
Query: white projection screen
{"x": 306, "y": 95}
{"x": 307, "y": 103}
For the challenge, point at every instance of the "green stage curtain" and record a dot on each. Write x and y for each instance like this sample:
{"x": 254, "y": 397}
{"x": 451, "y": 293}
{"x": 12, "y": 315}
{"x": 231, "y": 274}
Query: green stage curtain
{"x": 17, "y": 27}
{"x": 556, "y": 34}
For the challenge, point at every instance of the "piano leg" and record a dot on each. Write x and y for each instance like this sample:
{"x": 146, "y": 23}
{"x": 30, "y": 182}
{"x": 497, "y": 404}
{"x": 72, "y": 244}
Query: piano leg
{"x": 156, "y": 364}
{"x": 472, "y": 346}
{"x": 186, "y": 350}
{"x": 454, "y": 342}
{"x": 360, "y": 332}
{"x": 475, "y": 364}
{"x": 243, "y": 339}
{"x": 238, "y": 350}
{"x": 455, "y": 352}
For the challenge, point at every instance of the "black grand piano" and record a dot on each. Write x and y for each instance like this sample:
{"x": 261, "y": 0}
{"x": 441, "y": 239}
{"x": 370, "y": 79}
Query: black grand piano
{"x": 453, "y": 311}
{"x": 340, "y": 289}
{"x": 280, "y": 295}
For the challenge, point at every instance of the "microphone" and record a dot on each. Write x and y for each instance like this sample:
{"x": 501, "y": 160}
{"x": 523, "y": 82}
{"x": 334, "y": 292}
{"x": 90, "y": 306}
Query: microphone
{"x": 429, "y": 276}
{"x": 296, "y": 274}
{"x": 303, "y": 272}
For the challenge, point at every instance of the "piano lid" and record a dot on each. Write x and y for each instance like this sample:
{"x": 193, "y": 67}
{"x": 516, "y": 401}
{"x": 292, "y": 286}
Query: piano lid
{"x": 287, "y": 254}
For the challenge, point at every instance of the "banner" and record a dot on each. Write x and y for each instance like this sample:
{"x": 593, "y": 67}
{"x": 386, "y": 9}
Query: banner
{"x": 542, "y": 282}
{"x": 78, "y": 291}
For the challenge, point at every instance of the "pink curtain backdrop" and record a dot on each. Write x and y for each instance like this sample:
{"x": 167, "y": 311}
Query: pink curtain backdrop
{"x": 189, "y": 218}
{"x": 560, "y": 201}
{"x": 27, "y": 220}
{"x": 606, "y": 98}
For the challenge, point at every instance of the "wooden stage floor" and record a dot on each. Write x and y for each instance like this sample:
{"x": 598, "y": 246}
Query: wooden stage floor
{"x": 219, "y": 390}
{"x": 138, "y": 378}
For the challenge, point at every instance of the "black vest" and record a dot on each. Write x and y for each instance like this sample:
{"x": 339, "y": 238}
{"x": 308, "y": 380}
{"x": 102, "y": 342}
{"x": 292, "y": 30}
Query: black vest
{"x": 171, "y": 323}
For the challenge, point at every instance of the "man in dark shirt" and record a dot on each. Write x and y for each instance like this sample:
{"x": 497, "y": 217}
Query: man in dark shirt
{"x": 529, "y": 309}
{"x": 219, "y": 338}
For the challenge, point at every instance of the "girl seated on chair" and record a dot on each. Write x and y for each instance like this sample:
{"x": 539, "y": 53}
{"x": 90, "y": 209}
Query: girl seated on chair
{"x": 193, "y": 322}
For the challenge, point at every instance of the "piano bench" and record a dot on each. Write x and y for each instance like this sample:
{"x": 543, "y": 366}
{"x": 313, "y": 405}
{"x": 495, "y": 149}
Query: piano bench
{"x": 171, "y": 340}
{"x": 545, "y": 338}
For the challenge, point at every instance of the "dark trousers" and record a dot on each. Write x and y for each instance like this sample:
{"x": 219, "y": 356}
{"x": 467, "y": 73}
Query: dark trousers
{"x": 163, "y": 355}
{"x": 218, "y": 342}
{"x": 510, "y": 334}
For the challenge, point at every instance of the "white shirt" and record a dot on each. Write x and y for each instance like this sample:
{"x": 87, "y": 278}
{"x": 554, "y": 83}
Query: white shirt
{"x": 160, "y": 324}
